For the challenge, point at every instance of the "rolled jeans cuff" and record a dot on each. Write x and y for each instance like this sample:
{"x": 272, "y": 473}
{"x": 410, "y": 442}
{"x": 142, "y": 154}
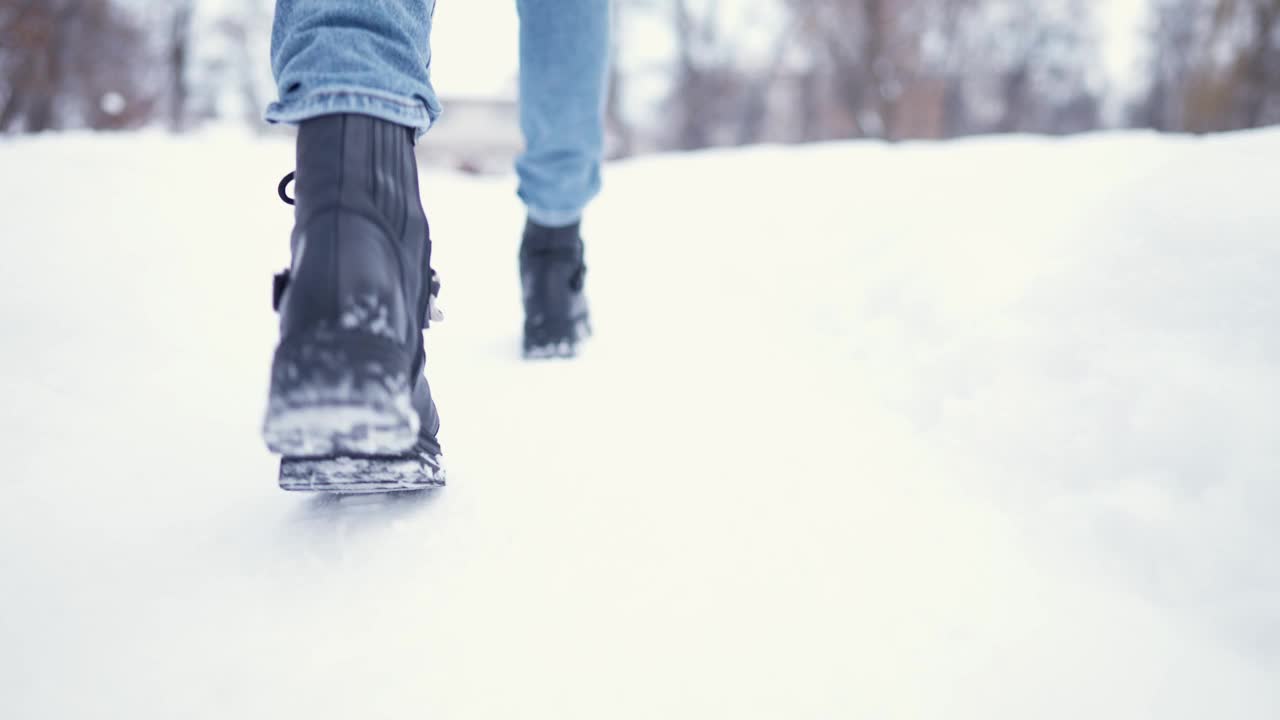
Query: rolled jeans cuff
{"x": 408, "y": 111}
{"x": 553, "y": 218}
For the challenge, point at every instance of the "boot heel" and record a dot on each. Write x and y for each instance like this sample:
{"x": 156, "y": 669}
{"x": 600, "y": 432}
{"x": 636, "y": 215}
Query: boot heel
{"x": 340, "y": 393}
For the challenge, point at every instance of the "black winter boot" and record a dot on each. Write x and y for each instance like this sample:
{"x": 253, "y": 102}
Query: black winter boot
{"x": 552, "y": 275}
{"x": 346, "y": 379}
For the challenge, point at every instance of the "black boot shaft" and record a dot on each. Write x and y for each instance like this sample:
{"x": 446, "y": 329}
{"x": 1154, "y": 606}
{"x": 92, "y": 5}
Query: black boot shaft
{"x": 360, "y": 241}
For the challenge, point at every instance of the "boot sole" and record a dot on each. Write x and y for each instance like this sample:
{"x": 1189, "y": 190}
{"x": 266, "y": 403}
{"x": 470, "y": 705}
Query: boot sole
{"x": 340, "y": 393}
{"x": 566, "y": 347}
{"x": 419, "y": 469}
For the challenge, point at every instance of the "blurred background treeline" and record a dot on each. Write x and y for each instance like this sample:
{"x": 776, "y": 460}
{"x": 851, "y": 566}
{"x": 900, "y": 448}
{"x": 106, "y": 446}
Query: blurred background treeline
{"x": 699, "y": 73}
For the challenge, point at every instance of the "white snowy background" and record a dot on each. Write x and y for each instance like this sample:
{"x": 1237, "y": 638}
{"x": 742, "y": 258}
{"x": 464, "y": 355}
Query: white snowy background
{"x": 983, "y": 429}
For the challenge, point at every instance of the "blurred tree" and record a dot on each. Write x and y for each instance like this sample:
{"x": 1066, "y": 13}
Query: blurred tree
{"x": 900, "y": 69}
{"x": 71, "y": 63}
{"x": 1026, "y": 66}
{"x": 180, "y": 21}
{"x": 620, "y": 130}
{"x": 1215, "y": 65}
{"x": 705, "y": 81}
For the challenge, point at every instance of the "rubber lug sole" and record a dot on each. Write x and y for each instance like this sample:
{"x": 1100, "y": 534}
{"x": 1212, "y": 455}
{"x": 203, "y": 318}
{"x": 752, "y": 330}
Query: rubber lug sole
{"x": 419, "y": 469}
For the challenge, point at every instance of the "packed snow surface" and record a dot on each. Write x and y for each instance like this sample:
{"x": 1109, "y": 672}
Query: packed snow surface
{"x": 986, "y": 429}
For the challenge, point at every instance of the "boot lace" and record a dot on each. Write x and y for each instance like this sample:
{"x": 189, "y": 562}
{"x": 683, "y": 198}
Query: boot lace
{"x": 282, "y": 188}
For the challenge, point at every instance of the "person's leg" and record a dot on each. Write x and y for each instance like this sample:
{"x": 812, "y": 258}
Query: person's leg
{"x": 564, "y": 57}
{"x": 348, "y": 404}
{"x": 353, "y": 56}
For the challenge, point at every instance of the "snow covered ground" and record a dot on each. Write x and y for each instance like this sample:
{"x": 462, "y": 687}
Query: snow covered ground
{"x": 984, "y": 429}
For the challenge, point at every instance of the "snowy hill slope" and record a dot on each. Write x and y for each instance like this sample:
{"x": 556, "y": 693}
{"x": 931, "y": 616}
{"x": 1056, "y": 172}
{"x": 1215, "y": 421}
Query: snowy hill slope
{"x": 973, "y": 430}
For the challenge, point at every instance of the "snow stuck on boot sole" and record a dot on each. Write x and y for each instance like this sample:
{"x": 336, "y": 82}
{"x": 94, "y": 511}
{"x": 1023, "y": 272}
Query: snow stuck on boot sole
{"x": 419, "y": 469}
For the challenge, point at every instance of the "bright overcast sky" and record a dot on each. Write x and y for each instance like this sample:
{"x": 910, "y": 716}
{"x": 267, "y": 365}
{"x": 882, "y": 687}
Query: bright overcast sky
{"x": 474, "y": 48}
{"x": 1122, "y": 23}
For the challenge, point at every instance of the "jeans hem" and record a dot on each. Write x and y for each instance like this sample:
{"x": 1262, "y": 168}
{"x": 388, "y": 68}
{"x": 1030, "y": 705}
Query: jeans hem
{"x": 409, "y": 112}
{"x": 553, "y": 218}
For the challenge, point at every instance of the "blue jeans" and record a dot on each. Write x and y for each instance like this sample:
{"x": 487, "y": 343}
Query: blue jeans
{"x": 373, "y": 57}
